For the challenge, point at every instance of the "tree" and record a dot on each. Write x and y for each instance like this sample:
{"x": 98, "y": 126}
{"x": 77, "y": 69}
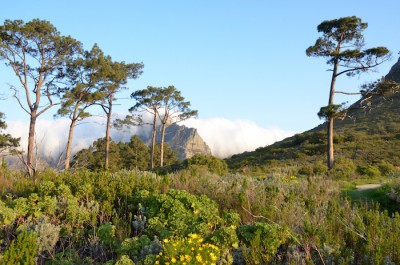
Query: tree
{"x": 173, "y": 109}
{"x": 37, "y": 54}
{"x": 7, "y": 142}
{"x": 135, "y": 154}
{"x": 170, "y": 155}
{"x": 92, "y": 158}
{"x": 115, "y": 75}
{"x": 342, "y": 44}
{"x": 149, "y": 101}
{"x": 85, "y": 75}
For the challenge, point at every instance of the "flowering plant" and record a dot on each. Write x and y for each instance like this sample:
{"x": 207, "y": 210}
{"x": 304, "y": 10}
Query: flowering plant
{"x": 189, "y": 250}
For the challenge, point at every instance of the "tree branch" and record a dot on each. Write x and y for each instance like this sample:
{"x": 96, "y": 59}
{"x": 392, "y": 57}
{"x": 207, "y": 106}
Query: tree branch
{"x": 18, "y": 100}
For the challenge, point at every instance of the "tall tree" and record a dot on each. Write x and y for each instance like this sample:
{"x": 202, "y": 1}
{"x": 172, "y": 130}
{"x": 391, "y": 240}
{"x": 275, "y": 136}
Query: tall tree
{"x": 173, "y": 109}
{"x": 342, "y": 44}
{"x": 148, "y": 101}
{"x": 85, "y": 75}
{"x": 37, "y": 54}
{"x": 7, "y": 142}
{"x": 115, "y": 76}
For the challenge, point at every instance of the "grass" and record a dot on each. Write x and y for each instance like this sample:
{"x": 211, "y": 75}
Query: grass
{"x": 372, "y": 196}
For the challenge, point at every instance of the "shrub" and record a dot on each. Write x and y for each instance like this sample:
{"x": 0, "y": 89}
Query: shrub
{"x": 343, "y": 168}
{"x": 386, "y": 168}
{"x": 22, "y": 251}
{"x": 213, "y": 164}
{"x": 369, "y": 171}
{"x": 263, "y": 241}
{"x": 189, "y": 250}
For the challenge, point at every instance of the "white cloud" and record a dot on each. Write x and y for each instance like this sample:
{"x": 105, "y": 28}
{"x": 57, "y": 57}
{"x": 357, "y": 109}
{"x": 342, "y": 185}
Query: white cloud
{"x": 224, "y": 137}
{"x": 228, "y": 137}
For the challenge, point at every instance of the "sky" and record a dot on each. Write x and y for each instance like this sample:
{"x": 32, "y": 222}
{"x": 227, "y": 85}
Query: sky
{"x": 241, "y": 64}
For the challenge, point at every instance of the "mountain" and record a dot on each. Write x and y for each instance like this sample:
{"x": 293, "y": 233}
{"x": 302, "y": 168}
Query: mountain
{"x": 369, "y": 135}
{"x": 394, "y": 73}
{"x": 186, "y": 141}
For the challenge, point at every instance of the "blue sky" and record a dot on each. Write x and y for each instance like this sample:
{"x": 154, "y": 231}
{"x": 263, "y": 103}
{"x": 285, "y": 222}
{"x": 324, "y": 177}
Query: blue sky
{"x": 238, "y": 60}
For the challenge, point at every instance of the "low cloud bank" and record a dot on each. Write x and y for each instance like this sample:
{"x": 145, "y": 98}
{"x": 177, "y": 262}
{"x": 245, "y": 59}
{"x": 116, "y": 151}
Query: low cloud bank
{"x": 224, "y": 137}
{"x": 228, "y": 137}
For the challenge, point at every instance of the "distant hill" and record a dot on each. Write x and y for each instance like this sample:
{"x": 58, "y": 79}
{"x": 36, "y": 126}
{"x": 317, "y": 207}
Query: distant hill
{"x": 369, "y": 135}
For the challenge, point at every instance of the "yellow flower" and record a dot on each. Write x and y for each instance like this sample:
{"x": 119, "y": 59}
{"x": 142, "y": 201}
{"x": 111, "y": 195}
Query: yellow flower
{"x": 193, "y": 236}
{"x": 213, "y": 257}
{"x": 166, "y": 240}
{"x": 198, "y": 258}
{"x": 173, "y": 260}
{"x": 157, "y": 262}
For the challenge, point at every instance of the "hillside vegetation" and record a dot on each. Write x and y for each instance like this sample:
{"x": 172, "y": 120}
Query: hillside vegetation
{"x": 189, "y": 217}
{"x": 367, "y": 143}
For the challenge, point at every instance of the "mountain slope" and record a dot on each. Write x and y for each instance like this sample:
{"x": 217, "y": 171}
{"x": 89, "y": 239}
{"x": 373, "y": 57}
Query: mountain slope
{"x": 369, "y": 135}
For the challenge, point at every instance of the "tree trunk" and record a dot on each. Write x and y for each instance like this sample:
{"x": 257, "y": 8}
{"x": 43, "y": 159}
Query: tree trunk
{"x": 331, "y": 158}
{"x": 164, "y": 126}
{"x": 69, "y": 144}
{"x": 31, "y": 145}
{"x": 153, "y": 141}
{"x": 108, "y": 127}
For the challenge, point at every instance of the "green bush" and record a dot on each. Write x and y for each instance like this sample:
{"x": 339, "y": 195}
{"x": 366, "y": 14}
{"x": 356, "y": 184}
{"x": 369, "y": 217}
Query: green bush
{"x": 213, "y": 164}
{"x": 343, "y": 168}
{"x": 263, "y": 241}
{"x": 370, "y": 171}
{"x": 22, "y": 251}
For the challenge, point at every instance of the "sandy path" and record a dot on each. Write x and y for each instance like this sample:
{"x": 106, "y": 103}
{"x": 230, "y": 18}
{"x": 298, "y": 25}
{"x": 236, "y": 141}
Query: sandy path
{"x": 368, "y": 186}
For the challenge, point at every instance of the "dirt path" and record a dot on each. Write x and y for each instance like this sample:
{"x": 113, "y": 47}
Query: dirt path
{"x": 368, "y": 186}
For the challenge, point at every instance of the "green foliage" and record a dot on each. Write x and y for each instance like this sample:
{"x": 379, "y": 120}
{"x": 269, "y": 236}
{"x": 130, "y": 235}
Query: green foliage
{"x": 22, "y": 251}
{"x": 179, "y": 213}
{"x": 263, "y": 240}
{"x": 213, "y": 164}
{"x": 106, "y": 234}
{"x": 108, "y": 217}
{"x": 135, "y": 154}
{"x": 130, "y": 155}
{"x": 6, "y": 140}
{"x": 330, "y": 111}
{"x": 170, "y": 155}
{"x": 370, "y": 171}
{"x": 344, "y": 168}
{"x": 124, "y": 260}
{"x": 141, "y": 249}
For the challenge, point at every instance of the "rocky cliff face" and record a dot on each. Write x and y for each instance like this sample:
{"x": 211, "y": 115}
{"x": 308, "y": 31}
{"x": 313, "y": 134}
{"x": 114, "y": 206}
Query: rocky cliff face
{"x": 394, "y": 73}
{"x": 186, "y": 141}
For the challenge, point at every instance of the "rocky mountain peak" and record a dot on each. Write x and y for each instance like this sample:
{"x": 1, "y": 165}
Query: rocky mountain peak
{"x": 394, "y": 73}
{"x": 186, "y": 141}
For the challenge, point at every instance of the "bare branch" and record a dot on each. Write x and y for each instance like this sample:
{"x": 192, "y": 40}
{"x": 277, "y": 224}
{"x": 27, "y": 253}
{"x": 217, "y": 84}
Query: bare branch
{"x": 18, "y": 100}
{"x": 348, "y": 93}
